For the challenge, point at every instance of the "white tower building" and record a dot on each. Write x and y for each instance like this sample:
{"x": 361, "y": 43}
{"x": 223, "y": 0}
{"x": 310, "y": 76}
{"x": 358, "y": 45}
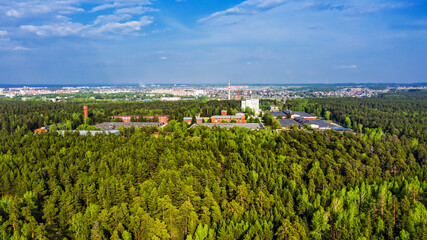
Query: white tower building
{"x": 253, "y": 104}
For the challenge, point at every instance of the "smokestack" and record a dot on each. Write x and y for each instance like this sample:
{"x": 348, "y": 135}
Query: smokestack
{"x": 85, "y": 111}
{"x": 238, "y": 94}
{"x": 229, "y": 89}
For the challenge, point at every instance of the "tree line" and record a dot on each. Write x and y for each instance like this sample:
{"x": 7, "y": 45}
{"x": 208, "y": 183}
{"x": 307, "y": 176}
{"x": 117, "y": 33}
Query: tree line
{"x": 202, "y": 183}
{"x": 402, "y": 114}
{"x": 24, "y": 116}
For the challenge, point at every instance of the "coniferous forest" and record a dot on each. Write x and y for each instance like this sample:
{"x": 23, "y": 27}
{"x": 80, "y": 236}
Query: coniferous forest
{"x": 202, "y": 183}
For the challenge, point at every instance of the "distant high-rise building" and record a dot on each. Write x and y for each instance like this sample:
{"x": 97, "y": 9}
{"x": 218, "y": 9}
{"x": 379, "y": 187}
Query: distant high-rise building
{"x": 253, "y": 104}
{"x": 229, "y": 90}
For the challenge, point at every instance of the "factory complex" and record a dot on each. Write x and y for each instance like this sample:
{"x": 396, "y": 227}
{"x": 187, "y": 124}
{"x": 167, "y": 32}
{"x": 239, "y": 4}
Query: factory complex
{"x": 288, "y": 120}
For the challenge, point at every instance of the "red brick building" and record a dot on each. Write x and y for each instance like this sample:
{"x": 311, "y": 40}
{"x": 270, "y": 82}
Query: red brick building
{"x": 239, "y": 118}
{"x": 127, "y": 118}
{"x": 198, "y": 119}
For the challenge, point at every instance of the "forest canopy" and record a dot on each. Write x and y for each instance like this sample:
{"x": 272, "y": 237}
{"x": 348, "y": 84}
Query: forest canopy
{"x": 203, "y": 183}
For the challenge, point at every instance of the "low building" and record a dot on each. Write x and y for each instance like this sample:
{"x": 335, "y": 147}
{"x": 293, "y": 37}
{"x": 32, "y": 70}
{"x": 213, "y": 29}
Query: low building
{"x": 239, "y": 118}
{"x": 46, "y": 128}
{"x": 127, "y": 118}
{"x": 294, "y": 115}
{"x": 317, "y": 123}
{"x": 288, "y": 123}
{"x": 198, "y": 119}
{"x": 305, "y": 115}
{"x": 91, "y": 132}
{"x": 253, "y": 126}
{"x": 116, "y": 125}
{"x": 277, "y": 114}
{"x": 40, "y": 130}
{"x": 162, "y": 118}
{"x": 170, "y": 98}
{"x": 273, "y": 108}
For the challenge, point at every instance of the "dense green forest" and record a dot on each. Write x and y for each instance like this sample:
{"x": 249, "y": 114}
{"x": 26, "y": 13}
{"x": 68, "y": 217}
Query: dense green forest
{"x": 23, "y": 116}
{"x": 401, "y": 114}
{"x": 202, "y": 183}
{"x": 212, "y": 184}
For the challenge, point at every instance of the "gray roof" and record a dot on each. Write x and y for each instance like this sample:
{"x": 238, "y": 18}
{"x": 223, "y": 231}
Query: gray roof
{"x": 230, "y": 125}
{"x": 321, "y": 123}
{"x": 287, "y": 122}
{"x": 303, "y": 114}
{"x": 276, "y": 114}
{"x": 115, "y": 125}
{"x": 91, "y": 132}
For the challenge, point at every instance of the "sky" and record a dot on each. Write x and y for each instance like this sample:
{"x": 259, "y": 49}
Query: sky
{"x": 212, "y": 41}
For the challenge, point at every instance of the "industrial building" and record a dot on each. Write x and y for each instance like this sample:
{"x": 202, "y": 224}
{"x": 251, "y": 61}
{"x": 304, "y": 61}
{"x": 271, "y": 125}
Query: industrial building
{"x": 91, "y": 132}
{"x": 273, "y": 108}
{"x": 298, "y": 115}
{"x": 116, "y": 125}
{"x": 287, "y": 123}
{"x": 239, "y": 117}
{"x": 46, "y": 128}
{"x": 127, "y": 118}
{"x": 198, "y": 119}
{"x": 253, "y": 126}
{"x": 317, "y": 123}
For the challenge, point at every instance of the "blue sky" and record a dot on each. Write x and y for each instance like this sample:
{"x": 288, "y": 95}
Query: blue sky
{"x": 212, "y": 41}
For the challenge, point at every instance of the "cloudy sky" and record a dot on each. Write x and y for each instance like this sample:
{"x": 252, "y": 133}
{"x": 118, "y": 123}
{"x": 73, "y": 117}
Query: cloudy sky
{"x": 212, "y": 41}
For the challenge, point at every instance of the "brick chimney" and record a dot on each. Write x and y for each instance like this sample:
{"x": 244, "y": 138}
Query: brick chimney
{"x": 85, "y": 111}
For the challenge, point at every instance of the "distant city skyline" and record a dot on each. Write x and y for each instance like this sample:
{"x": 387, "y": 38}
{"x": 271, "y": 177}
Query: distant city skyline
{"x": 212, "y": 42}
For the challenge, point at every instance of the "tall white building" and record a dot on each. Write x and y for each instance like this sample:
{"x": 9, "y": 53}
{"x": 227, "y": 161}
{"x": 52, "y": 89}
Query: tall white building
{"x": 253, "y": 104}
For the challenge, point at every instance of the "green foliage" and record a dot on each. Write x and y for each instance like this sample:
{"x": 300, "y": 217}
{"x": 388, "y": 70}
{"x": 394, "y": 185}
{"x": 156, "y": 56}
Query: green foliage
{"x": 211, "y": 184}
{"x": 403, "y": 115}
{"x": 202, "y": 183}
{"x": 33, "y": 115}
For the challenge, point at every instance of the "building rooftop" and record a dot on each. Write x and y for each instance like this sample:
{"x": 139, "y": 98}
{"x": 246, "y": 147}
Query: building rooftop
{"x": 254, "y": 126}
{"x": 287, "y": 122}
{"x": 91, "y": 132}
{"x": 304, "y": 114}
{"x": 300, "y": 114}
{"x": 321, "y": 123}
{"x": 238, "y": 115}
{"x": 276, "y": 114}
{"x": 115, "y": 125}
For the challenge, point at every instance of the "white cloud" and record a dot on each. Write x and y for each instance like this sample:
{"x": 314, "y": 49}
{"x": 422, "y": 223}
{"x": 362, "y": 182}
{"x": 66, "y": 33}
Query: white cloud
{"x": 56, "y": 17}
{"x": 349, "y": 6}
{"x": 23, "y": 9}
{"x": 246, "y": 7}
{"x": 104, "y": 19}
{"x": 3, "y": 33}
{"x": 104, "y": 6}
{"x": 20, "y": 48}
{"x": 103, "y": 25}
{"x": 7, "y": 44}
{"x": 121, "y": 4}
{"x": 163, "y": 58}
{"x": 353, "y": 66}
{"x": 135, "y": 10}
{"x": 13, "y": 13}
{"x": 370, "y": 8}
{"x": 56, "y": 29}
{"x": 126, "y": 27}
{"x": 352, "y": 7}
